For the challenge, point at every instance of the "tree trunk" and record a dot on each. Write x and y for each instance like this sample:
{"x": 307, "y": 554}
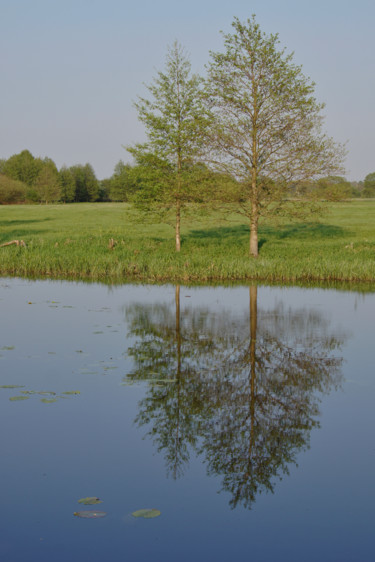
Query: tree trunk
{"x": 253, "y": 339}
{"x": 178, "y": 377}
{"x": 178, "y": 224}
{"x": 254, "y": 238}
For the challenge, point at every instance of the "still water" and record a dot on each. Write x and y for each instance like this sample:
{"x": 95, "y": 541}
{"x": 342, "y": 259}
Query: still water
{"x": 244, "y": 415}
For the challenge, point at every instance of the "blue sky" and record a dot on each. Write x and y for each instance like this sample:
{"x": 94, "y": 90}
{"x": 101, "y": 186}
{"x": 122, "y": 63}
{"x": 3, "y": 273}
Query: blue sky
{"x": 71, "y": 69}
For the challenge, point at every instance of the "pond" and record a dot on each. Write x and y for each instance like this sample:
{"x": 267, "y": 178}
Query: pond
{"x": 241, "y": 418}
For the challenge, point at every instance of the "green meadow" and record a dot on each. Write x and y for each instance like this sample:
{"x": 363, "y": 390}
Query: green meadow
{"x": 74, "y": 242}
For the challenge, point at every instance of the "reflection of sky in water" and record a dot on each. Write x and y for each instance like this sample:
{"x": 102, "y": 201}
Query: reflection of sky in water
{"x": 74, "y": 337}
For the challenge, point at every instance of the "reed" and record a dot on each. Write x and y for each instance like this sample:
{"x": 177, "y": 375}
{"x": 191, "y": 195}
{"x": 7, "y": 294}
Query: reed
{"x": 75, "y": 242}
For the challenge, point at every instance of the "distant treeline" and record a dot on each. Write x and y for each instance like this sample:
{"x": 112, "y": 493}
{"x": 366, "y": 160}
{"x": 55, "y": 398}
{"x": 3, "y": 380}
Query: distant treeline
{"x": 26, "y": 179}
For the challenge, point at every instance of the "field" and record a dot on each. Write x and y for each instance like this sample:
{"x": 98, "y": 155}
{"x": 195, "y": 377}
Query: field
{"x": 72, "y": 242}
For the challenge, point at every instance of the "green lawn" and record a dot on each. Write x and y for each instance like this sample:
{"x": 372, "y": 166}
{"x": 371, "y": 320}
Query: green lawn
{"x": 71, "y": 241}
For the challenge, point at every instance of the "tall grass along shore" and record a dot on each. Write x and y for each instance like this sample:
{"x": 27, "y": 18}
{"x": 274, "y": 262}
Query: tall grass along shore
{"x": 98, "y": 241}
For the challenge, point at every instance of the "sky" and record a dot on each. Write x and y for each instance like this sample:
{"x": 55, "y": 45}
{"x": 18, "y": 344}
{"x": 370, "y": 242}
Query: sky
{"x": 71, "y": 70}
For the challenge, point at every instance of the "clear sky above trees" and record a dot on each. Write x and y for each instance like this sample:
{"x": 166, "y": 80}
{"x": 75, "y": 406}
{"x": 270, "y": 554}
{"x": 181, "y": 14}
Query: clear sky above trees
{"x": 70, "y": 70}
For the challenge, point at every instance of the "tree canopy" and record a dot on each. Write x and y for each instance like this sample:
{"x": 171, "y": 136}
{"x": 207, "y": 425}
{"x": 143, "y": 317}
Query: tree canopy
{"x": 267, "y": 127}
{"x": 174, "y": 118}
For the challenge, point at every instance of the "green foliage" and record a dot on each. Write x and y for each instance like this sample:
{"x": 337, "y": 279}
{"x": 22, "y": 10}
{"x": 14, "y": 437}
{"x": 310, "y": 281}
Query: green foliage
{"x": 12, "y": 191}
{"x": 23, "y": 167}
{"x": 266, "y": 130}
{"x": 124, "y": 182}
{"x": 67, "y": 185}
{"x": 331, "y": 188}
{"x": 369, "y": 186}
{"x": 175, "y": 120}
{"x": 86, "y": 184}
{"x": 47, "y": 185}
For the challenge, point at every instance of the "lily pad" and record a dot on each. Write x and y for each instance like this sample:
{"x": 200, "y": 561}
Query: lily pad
{"x": 90, "y": 501}
{"x": 90, "y": 514}
{"x": 146, "y": 513}
{"x": 48, "y": 400}
{"x": 17, "y": 398}
{"x": 69, "y": 392}
{"x": 11, "y": 386}
{"x": 46, "y": 393}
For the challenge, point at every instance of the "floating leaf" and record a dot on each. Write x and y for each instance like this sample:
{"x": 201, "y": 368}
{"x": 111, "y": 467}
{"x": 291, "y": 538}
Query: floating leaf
{"x": 146, "y": 513}
{"x": 8, "y": 347}
{"x": 90, "y": 514}
{"x": 69, "y": 392}
{"x": 17, "y": 398}
{"x": 11, "y": 386}
{"x": 48, "y": 400}
{"x": 28, "y": 391}
{"x": 90, "y": 501}
{"x": 47, "y": 393}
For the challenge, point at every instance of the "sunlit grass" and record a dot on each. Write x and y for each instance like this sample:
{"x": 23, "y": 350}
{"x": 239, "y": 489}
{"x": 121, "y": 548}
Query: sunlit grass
{"x": 72, "y": 241}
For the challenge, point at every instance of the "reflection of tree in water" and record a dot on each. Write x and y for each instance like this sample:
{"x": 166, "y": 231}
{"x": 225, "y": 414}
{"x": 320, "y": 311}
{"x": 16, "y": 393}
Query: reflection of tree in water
{"x": 244, "y": 392}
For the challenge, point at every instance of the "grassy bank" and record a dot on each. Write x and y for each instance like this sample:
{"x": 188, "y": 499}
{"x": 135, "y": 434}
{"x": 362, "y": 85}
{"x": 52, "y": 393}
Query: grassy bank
{"x": 71, "y": 241}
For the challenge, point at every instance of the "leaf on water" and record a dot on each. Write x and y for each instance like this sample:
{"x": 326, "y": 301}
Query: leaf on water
{"x": 17, "y": 398}
{"x": 8, "y": 347}
{"x": 69, "y": 392}
{"x": 48, "y": 400}
{"x": 146, "y": 513}
{"x": 90, "y": 501}
{"x": 28, "y": 391}
{"x": 46, "y": 393}
{"x": 90, "y": 514}
{"x": 12, "y": 386}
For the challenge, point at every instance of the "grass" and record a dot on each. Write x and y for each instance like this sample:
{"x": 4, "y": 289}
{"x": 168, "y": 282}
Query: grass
{"x": 71, "y": 241}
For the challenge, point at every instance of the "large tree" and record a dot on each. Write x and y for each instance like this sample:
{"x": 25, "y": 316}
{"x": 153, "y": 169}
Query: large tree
{"x": 174, "y": 118}
{"x": 268, "y": 125}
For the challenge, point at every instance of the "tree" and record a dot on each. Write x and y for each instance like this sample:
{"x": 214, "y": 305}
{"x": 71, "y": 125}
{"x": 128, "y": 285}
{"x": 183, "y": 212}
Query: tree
{"x": 268, "y": 127}
{"x": 123, "y": 182}
{"x": 331, "y": 188}
{"x": 369, "y": 186}
{"x": 174, "y": 118}
{"x": 67, "y": 185}
{"x": 86, "y": 184}
{"x": 47, "y": 185}
{"x": 23, "y": 167}
{"x": 241, "y": 390}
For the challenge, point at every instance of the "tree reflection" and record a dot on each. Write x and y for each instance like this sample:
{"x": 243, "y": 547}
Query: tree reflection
{"x": 242, "y": 392}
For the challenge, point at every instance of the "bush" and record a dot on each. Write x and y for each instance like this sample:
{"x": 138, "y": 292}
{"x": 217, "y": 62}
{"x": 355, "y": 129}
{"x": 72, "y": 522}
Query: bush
{"x": 12, "y": 191}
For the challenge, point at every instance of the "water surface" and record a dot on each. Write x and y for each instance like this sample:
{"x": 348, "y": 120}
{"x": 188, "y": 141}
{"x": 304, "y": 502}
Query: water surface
{"x": 245, "y": 415}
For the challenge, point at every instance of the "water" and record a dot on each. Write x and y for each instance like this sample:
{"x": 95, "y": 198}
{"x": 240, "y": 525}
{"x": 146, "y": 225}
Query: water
{"x": 246, "y": 416}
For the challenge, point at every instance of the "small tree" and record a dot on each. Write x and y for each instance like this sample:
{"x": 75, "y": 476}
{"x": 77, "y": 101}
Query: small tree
{"x": 174, "y": 118}
{"x": 267, "y": 130}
